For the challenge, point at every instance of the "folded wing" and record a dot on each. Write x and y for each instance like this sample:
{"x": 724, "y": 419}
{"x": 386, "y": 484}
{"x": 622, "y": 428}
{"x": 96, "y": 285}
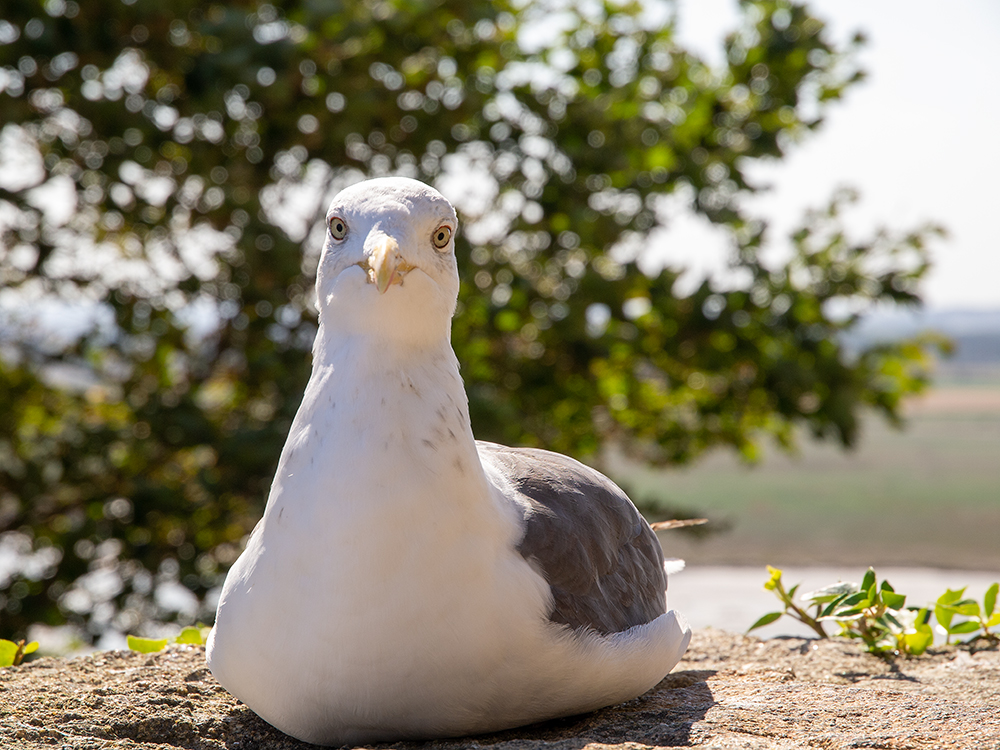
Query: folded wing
{"x": 600, "y": 557}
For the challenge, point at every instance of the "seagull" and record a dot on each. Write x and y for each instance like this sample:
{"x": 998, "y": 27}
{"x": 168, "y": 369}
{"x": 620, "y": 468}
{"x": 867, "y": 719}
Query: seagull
{"x": 407, "y": 581}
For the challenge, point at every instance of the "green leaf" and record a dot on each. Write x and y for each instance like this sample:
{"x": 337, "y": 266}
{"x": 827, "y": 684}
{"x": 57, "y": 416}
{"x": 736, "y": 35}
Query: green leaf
{"x": 918, "y": 642}
{"x": 190, "y": 635}
{"x": 765, "y": 620}
{"x": 7, "y": 651}
{"x": 994, "y": 620}
{"x": 146, "y": 645}
{"x": 966, "y": 608}
{"x": 856, "y": 599}
{"x": 990, "y": 602}
{"x": 30, "y": 648}
{"x": 844, "y": 615}
{"x": 886, "y": 586}
{"x": 893, "y": 600}
{"x": 950, "y": 597}
{"x": 944, "y": 615}
{"x": 869, "y": 580}
{"x": 832, "y": 606}
{"x": 969, "y": 626}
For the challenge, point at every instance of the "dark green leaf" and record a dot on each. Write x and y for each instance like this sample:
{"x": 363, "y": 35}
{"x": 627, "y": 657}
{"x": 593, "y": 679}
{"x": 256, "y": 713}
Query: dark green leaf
{"x": 833, "y": 605}
{"x": 890, "y": 618}
{"x": 862, "y": 597}
{"x": 869, "y": 580}
{"x": 893, "y": 600}
{"x": 765, "y": 620}
{"x": 844, "y": 614}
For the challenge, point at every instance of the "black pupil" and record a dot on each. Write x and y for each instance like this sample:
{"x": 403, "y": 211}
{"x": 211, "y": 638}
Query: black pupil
{"x": 441, "y": 236}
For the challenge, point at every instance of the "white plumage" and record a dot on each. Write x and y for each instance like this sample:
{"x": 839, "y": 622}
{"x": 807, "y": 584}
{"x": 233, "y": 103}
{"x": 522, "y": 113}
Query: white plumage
{"x": 405, "y": 581}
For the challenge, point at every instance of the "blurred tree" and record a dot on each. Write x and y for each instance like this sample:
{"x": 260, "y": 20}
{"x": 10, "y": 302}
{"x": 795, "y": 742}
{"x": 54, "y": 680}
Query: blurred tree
{"x": 164, "y": 168}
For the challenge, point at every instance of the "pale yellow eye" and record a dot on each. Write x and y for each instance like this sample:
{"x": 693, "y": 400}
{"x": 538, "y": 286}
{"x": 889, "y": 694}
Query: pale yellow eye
{"x": 441, "y": 237}
{"x": 338, "y": 228}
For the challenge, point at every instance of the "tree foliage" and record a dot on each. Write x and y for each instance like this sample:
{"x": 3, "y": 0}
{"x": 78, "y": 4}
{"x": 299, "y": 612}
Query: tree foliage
{"x": 165, "y": 167}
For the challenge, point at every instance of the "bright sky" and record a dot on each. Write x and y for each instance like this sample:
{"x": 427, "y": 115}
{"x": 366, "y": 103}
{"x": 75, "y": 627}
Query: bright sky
{"x": 920, "y": 138}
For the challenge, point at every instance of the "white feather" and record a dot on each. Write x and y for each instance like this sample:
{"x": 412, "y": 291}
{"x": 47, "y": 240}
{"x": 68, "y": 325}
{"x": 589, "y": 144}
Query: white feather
{"x": 672, "y": 565}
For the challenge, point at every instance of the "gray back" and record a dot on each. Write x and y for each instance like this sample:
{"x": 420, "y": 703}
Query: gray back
{"x": 601, "y": 559}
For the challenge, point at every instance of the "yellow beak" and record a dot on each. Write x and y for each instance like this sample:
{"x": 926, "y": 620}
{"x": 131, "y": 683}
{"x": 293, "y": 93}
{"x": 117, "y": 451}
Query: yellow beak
{"x": 385, "y": 265}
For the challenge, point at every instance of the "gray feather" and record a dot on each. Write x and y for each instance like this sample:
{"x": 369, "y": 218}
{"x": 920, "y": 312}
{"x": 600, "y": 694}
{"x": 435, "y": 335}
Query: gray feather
{"x": 602, "y": 561}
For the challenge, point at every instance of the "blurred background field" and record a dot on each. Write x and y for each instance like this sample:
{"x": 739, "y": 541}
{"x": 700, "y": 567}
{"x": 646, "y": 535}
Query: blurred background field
{"x": 927, "y": 495}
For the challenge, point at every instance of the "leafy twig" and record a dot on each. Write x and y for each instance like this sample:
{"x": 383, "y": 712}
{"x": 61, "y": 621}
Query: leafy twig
{"x": 791, "y": 608}
{"x": 878, "y": 615}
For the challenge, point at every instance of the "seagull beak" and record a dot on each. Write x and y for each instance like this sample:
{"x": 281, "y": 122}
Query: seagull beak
{"x": 385, "y": 265}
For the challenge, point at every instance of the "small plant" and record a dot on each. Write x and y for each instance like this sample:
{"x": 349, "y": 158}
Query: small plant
{"x": 878, "y": 615}
{"x": 875, "y": 614}
{"x": 191, "y": 635}
{"x": 951, "y": 603}
{"x": 11, "y": 653}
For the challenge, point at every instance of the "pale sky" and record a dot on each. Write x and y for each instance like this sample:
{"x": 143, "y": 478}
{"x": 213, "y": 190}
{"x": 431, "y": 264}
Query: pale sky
{"x": 920, "y": 138}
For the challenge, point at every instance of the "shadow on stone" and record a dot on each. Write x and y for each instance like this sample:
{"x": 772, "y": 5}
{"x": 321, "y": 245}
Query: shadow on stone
{"x": 664, "y": 716}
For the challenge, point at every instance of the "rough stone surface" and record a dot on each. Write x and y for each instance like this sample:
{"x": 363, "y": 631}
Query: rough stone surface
{"x": 730, "y": 691}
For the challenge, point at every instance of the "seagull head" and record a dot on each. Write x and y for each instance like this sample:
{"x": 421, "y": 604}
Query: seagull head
{"x": 388, "y": 265}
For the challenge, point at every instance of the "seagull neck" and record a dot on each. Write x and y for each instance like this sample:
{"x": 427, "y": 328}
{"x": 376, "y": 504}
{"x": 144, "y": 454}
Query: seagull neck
{"x": 383, "y": 383}
{"x": 361, "y": 352}
{"x": 403, "y": 408}
{"x": 384, "y": 431}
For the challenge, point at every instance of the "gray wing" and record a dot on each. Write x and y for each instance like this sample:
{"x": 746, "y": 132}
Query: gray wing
{"x": 601, "y": 559}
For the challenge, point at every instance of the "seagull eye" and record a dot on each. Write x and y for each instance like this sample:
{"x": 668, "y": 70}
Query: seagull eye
{"x": 338, "y": 228}
{"x": 441, "y": 236}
